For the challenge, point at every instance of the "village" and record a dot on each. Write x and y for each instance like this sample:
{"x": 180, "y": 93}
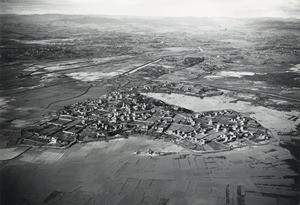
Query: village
{"x": 128, "y": 112}
{"x": 180, "y": 88}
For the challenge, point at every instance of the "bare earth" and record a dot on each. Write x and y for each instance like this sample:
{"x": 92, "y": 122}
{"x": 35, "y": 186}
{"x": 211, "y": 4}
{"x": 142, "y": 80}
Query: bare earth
{"x": 110, "y": 173}
{"x": 48, "y": 62}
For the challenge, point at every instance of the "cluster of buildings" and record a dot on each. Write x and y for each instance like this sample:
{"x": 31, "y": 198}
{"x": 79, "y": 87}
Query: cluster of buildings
{"x": 181, "y": 88}
{"x": 120, "y": 114}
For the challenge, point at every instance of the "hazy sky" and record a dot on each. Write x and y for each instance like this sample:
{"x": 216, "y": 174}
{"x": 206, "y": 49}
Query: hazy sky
{"x": 207, "y": 8}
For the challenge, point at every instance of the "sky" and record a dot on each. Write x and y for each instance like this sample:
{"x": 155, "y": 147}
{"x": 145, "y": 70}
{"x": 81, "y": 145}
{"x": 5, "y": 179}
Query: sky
{"x": 177, "y": 8}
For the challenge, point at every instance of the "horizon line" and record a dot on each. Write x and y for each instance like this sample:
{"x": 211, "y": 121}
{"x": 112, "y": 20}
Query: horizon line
{"x": 145, "y": 16}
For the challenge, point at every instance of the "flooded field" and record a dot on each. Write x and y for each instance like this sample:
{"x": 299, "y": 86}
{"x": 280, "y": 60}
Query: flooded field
{"x": 91, "y": 76}
{"x": 234, "y": 74}
{"x": 296, "y": 68}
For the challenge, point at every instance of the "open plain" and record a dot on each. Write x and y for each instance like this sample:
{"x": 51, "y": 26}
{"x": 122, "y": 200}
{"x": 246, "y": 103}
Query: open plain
{"x": 52, "y": 63}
